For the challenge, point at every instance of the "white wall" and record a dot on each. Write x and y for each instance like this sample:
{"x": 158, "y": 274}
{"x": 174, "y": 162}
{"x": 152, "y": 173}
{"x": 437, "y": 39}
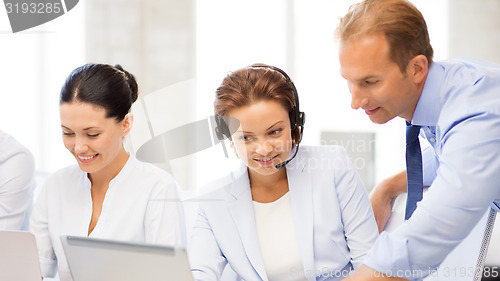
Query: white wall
{"x": 33, "y": 66}
{"x": 230, "y": 36}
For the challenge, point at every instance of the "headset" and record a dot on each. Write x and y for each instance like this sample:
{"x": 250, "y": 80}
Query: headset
{"x": 297, "y": 117}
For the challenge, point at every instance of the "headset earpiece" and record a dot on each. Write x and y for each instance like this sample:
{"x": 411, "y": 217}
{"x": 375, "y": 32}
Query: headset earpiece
{"x": 222, "y": 130}
{"x": 301, "y": 120}
{"x": 300, "y": 124}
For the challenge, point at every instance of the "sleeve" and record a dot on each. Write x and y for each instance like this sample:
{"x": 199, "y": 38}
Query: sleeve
{"x": 465, "y": 186}
{"x": 359, "y": 223}
{"x": 17, "y": 182}
{"x": 39, "y": 226}
{"x": 206, "y": 258}
{"x": 164, "y": 221}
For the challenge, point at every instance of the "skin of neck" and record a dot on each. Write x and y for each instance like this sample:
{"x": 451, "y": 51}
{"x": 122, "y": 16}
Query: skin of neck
{"x": 104, "y": 176}
{"x": 268, "y": 188}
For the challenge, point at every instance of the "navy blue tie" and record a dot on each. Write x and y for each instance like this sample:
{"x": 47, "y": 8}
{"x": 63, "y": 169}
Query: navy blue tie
{"x": 413, "y": 169}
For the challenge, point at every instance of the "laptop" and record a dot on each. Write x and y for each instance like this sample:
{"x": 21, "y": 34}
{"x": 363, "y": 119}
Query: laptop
{"x": 91, "y": 259}
{"x": 19, "y": 257}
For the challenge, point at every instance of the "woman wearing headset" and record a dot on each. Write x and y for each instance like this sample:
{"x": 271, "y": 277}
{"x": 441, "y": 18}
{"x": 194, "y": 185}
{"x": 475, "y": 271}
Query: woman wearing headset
{"x": 109, "y": 194}
{"x": 288, "y": 213}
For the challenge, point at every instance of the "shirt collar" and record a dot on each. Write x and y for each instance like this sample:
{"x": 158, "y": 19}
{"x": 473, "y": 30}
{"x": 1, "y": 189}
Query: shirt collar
{"x": 429, "y": 104}
{"x": 126, "y": 170}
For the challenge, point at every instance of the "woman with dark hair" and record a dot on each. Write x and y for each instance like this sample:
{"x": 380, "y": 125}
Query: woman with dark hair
{"x": 288, "y": 213}
{"x": 109, "y": 194}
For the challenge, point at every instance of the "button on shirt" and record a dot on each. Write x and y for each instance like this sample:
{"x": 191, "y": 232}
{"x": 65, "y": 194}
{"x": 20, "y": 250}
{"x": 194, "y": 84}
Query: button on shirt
{"x": 459, "y": 110}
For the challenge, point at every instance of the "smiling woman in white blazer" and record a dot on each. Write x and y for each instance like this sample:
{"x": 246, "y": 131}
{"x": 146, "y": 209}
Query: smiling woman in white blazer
{"x": 287, "y": 213}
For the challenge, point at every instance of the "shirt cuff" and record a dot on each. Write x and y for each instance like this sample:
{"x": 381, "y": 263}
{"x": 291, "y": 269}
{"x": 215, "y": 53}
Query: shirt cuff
{"x": 389, "y": 255}
{"x": 48, "y": 267}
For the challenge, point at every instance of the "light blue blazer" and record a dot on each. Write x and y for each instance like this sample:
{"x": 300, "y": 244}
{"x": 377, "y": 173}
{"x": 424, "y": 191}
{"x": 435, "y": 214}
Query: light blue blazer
{"x": 334, "y": 222}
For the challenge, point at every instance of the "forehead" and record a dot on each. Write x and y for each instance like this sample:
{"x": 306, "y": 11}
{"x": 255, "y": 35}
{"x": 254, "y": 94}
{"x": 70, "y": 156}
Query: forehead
{"x": 79, "y": 114}
{"x": 259, "y": 115}
{"x": 364, "y": 56}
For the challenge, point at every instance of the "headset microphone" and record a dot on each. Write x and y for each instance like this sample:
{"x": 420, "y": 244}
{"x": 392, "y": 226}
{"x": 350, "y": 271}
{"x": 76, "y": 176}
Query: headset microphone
{"x": 283, "y": 164}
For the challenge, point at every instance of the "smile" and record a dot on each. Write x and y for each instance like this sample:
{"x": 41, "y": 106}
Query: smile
{"x": 371, "y": 111}
{"x": 266, "y": 161}
{"x": 86, "y": 159}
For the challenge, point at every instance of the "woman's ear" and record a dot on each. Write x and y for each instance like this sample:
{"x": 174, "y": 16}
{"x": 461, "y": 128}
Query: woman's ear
{"x": 231, "y": 144}
{"x": 296, "y": 136}
{"x": 127, "y": 123}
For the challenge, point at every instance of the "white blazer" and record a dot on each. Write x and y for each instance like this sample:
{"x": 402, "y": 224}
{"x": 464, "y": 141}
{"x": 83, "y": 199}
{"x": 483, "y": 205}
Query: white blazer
{"x": 334, "y": 222}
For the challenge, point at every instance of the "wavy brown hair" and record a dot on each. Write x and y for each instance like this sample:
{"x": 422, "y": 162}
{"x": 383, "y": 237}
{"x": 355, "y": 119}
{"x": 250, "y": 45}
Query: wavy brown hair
{"x": 251, "y": 84}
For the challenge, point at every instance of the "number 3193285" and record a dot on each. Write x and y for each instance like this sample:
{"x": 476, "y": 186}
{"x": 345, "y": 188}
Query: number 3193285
{"x": 34, "y": 8}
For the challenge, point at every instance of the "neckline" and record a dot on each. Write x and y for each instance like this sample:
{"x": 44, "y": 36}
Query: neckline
{"x": 273, "y": 202}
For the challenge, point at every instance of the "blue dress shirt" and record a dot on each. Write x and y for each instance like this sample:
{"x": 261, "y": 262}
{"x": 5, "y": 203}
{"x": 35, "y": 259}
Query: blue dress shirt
{"x": 459, "y": 111}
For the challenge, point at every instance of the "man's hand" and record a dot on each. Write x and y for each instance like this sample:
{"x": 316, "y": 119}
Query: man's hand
{"x": 382, "y": 197}
{"x": 364, "y": 273}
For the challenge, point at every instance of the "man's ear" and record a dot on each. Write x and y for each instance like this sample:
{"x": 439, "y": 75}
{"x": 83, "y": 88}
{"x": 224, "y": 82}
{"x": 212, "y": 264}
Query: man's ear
{"x": 127, "y": 123}
{"x": 418, "y": 68}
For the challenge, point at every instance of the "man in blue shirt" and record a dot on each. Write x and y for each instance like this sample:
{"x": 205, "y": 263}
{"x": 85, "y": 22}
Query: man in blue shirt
{"x": 386, "y": 58}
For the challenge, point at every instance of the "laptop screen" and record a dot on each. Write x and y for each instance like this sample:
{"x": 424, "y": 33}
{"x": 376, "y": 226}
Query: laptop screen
{"x": 19, "y": 256}
{"x": 91, "y": 259}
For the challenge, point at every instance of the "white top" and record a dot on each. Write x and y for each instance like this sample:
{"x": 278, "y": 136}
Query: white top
{"x": 141, "y": 205}
{"x": 17, "y": 181}
{"x": 277, "y": 240}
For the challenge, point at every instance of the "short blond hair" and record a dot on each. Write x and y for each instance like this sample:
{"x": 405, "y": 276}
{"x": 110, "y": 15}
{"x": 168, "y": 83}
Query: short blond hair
{"x": 400, "y": 21}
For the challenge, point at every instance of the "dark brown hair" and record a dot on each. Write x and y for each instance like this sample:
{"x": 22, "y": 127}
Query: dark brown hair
{"x": 107, "y": 86}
